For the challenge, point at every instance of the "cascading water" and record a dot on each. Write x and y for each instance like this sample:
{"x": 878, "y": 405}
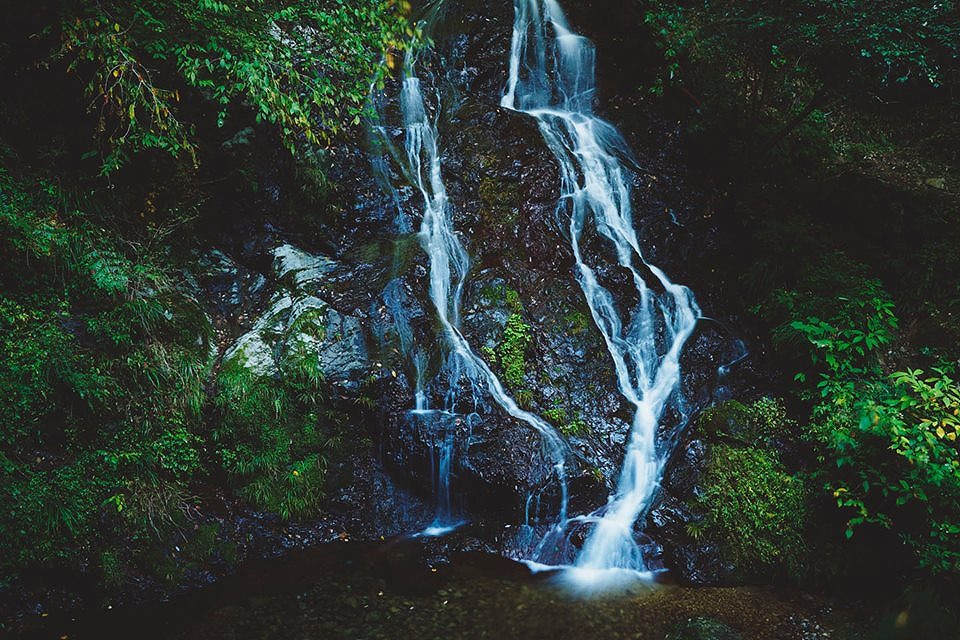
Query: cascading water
{"x": 551, "y": 77}
{"x": 449, "y": 265}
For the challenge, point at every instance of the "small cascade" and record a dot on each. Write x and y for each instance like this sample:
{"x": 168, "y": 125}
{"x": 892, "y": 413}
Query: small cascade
{"x": 551, "y": 77}
{"x": 449, "y": 264}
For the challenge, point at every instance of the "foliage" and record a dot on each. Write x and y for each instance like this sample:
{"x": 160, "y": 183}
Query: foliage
{"x": 846, "y": 342}
{"x": 754, "y": 509}
{"x": 304, "y": 66}
{"x": 891, "y": 439}
{"x": 104, "y": 372}
{"x": 840, "y": 40}
{"x": 839, "y": 111}
{"x": 105, "y": 431}
{"x": 510, "y": 353}
{"x": 755, "y": 424}
{"x": 274, "y": 436}
{"x": 764, "y": 70}
{"x": 575, "y": 426}
{"x": 513, "y": 348}
{"x": 897, "y": 457}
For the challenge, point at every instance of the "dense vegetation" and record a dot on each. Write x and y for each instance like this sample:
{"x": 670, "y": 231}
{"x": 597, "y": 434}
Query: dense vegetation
{"x": 116, "y": 411}
{"x": 842, "y": 116}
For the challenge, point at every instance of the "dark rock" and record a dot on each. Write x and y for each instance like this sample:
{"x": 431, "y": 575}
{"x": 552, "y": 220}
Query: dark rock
{"x": 343, "y": 359}
{"x": 797, "y": 627}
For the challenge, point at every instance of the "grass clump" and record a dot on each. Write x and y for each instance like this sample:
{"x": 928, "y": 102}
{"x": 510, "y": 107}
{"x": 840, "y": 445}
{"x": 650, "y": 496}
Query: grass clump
{"x": 513, "y": 348}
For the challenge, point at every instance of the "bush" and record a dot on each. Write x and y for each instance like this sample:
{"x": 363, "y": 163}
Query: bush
{"x": 890, "y": 441}
{"x": 275, "y": 436}
{"x": 106, "y": 355}
{"x": 753, "y": 424}
{"x": 102, "y": 379}
{"x": 754, "y": 510}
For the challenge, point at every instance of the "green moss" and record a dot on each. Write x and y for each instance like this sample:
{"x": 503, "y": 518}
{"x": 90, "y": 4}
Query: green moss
{"x": 556, "y": 415}
{"x": 512, "y": 299}
{"x": 752, "y": 423}
{"x": 754, "y": 510}
{"x": 512, "y": 351}
{"x": 575, "y": 426}
{"x": 577, "y": 321}
{"x": 502, "y": 296}
{"x": 500, "y": 199}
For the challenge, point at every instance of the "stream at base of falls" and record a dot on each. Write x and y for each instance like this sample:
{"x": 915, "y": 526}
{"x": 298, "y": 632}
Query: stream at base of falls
{"x": 397, "y": 590}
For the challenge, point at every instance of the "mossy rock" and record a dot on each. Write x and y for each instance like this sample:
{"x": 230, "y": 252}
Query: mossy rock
{"x": 754, "y": 510}
{"x": 752, "y": 424}
{"x": 498, "y": 193}
{"x": 299, "y": 269}
{"x": 702, "y": 629}
{"x": 309, "y": 318}
{"x": 306, "y": 332}
{"x": 252, "y": 353}
{"x": 501, "y": 201}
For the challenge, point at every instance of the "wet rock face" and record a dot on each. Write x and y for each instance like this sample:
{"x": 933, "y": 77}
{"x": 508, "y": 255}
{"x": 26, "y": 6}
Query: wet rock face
{"x": 285, "y": 318}
{"x": 350, "y": 288}
{"x": 503, "y": 186}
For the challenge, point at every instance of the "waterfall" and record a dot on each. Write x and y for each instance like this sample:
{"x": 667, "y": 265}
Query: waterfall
{"x": 551, "y": 78}
{"x": 449, "y": 264}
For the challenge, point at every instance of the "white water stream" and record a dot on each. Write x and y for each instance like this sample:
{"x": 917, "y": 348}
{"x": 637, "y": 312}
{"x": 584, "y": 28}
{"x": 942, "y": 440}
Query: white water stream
{"x": 449, "y": 264}
{"x": 551, "y": 77}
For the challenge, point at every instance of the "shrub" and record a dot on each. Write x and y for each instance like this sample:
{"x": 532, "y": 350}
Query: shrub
{"x": 754, "y": 509}
{"x": 105, "y": 360}
{"x": 890, "y": 441}
{"x": 752, "y": 424}
{"x": 275, "y": 435}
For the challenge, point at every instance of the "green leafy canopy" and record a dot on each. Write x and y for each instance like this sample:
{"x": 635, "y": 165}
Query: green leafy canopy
{"x": 305, "y": 66}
